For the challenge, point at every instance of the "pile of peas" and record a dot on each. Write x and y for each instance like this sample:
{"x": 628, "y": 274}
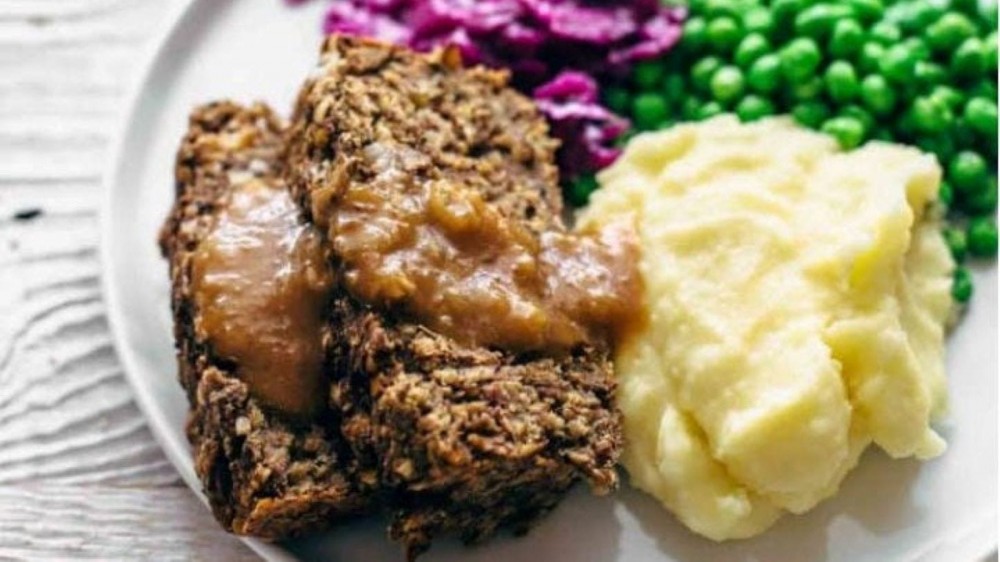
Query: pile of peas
{"x": 918, "y": 72}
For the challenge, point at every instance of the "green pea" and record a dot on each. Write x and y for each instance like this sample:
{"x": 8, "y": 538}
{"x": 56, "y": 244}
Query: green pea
{"x": 848, "y": 131}
{"x": 690, "y": 107}
{"x": 877, "y": 95}
{"x": 991, "y": 150}
{"x": 909, "y": 92}
{"x": 982, "y": 201}
{"x": 967, "y": 6}
{"x": 580, "y": 190}
{"x": 969, "y": 60}
{"x": 668, "y": 122}
{"x": 758, "y": 20}
{"x": 949, "y": 31}
{"x": 862, "y": 116}
{"x": 647, "y": 74}
{"x": 841, "y": 81}
{"x": 949, "y": 96}
{"x": 883, "y": 134}
{"x": 945, "y": 194}
{"x": 930, "y": 115}
{"x": 961, "y": 285}
{"x": 709, "y": 110}
{"x": 702, "y": 71}
{"x": 941, "y": 146}
{"x": 989, "y": 14}
{"x": 900, "y": 12}
{"x": 617, "y": 99}
{"x": 716, "y": 8}
{"x": 981, "y": 115}
{"x": 764, "y": 75}
{"x": 918, "y": 16}
{"x": 923, "y": 16}
{"x": 982, "y": 89}
{"x": 811, "y": 114}
{"x": 800, "y": 59}
{"x": 918, "y": 47}
{"x": 784, "y": 12}
{"x": 982, "y": 237}
{"x": 674, "y": 87}
{"x": 990, "y": 45}
{"x": 817, "y": 21}
{"x": 695, "y": 36}
{"x": 927, "y": 74}
{"x": 846, "y": 38}
{"x": 867, "y": 11}
{"x": 967, "y": 171}
{"x": 898, "y": 64}
{"x": 649, "y": 110}
{"x": 753, "y": 107}
{"x": 957, "y": 243}
{"x": 885, "y": 33}
{"x": 810, "y": 89}
{"x": 906, "y": 129}
{"x": 723, "y": 33}
{"x": 962, "y": 132}
{"x": 870, "y": 57}
{"x": 727, "y": 84}
{"x": 751, "y": 48}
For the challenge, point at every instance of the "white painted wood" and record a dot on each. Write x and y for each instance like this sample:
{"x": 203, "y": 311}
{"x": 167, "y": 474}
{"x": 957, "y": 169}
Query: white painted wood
{"x": 109, "y": 523}
{"x": 80, "y": 475}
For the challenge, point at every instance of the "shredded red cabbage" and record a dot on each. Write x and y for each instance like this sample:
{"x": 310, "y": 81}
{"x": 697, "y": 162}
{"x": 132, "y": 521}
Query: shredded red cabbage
{"x": 588, "y": 130}
{"x": 554, "y": 49}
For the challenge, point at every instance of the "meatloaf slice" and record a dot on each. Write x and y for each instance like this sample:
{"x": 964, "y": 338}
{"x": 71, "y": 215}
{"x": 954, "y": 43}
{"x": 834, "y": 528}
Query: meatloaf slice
{"x": 457, "y": 438}
{"x": 265, "y": 474}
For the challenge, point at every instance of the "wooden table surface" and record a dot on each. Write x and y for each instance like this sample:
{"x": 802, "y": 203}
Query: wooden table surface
{"x": 80, "y": 474}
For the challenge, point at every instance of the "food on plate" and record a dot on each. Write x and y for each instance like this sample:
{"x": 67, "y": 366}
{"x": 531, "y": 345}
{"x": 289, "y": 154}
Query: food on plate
{"x": 795, "y": 304}
{"x": 437, "y": 199}
{"x": 550, "y": 47}
{"x": 380, "y": 308}
{"x": 466, "y": 395}
{"x": 249, "y": 284}
{"x": 260, "y": 282}
{"x": 535, "y": 38}
{"x": 917, "y": 72}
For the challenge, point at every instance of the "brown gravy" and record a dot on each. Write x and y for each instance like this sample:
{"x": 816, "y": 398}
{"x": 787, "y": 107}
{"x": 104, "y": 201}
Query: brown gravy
{"x": 261, "y": 285}
{"x": 460, "y": 267}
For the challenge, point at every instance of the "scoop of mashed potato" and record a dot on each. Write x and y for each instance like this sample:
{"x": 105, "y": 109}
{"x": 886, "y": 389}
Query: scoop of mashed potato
{"x": 795, "y": 302}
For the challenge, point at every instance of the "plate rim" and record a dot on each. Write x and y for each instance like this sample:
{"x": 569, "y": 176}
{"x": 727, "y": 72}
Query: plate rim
{"x": 153, "y": 53}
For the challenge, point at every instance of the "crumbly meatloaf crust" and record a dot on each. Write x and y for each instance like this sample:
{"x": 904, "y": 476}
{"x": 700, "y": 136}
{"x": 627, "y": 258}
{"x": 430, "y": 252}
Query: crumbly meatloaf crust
{"x": 264, "y": 475}
{"x": 456, "y": 439}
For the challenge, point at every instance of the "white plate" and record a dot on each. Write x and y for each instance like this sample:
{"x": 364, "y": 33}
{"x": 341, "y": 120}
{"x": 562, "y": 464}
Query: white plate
{"x": 887, "y": 510}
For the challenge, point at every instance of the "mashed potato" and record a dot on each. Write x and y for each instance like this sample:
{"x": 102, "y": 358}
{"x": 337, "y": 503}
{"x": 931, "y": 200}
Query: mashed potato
{"x": 795, "y": 300}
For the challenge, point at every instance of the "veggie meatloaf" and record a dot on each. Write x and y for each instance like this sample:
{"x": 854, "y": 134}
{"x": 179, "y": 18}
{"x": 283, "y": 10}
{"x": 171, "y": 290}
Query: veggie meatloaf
{"x": 455, "y": 438}
{"x": 264, "y": 474}
{"x": 446, "y": 436}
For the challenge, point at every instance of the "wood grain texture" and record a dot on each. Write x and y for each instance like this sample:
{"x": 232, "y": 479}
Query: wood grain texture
{"x": 80, "y": 474}
{"x": 110, "y": 523}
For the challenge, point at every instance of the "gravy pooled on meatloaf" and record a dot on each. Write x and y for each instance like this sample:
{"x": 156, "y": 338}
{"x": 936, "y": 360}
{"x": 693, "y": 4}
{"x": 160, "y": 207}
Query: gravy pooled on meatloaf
{"x": 471, "y": 371}
{"x": 250, "y": 290}
{"x": 418, "y": 202}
